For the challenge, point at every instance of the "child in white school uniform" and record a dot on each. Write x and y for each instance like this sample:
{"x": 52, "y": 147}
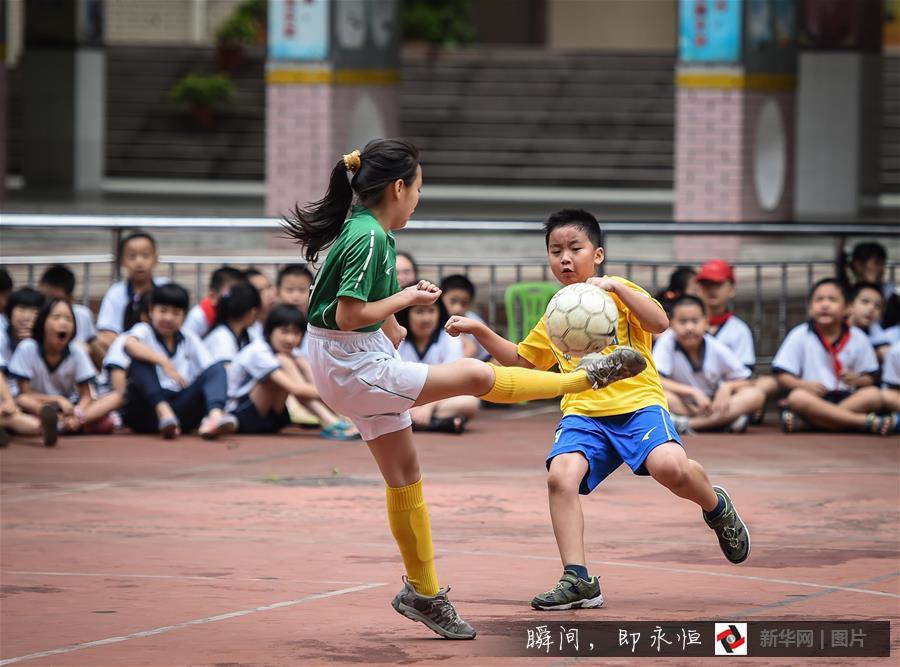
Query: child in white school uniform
{"x": 236, "y": 311}
{"x": 706, "y": 386}
{"x": 203, "y": 318}
{"x": 54, "y": 375}
{"x": 266, "y": 297}
{"x": 262, "y": 375}
{"x": 58, "y": 282}
{"x": 174, "y": 386}
{"x": 120, "y": 306}
{"x": 865, "y": 311}
{"x": 427, "y": 343}
{"x": 12, "y": 419}
{"x": 829, "y": 368}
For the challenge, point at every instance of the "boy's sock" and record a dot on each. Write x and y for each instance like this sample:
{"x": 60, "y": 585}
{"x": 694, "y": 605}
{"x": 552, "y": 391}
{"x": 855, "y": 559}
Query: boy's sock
{"x": 579, "y": 570}
{"x": 514, "y": 385}
{"x": 716, "y": 513}
{"x": 408, "y": 516}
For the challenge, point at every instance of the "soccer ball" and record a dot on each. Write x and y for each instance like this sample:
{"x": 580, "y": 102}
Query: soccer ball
{"x": 581, "y": 319}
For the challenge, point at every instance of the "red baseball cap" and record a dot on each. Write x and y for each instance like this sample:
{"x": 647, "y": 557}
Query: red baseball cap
{"x": 716, "y": 271}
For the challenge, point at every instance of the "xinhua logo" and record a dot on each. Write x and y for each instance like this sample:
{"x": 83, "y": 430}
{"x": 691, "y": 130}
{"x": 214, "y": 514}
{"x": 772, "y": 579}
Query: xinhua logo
{"x": 731, "y": 639}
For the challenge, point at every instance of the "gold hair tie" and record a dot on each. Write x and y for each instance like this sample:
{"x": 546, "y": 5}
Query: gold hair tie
{"x": 351, "y": 161}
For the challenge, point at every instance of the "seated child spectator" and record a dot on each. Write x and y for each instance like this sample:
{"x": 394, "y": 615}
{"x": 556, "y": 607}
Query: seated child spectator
{"x": 683, "y": 280}
{"x": 6, "y": 286}
{"x": 426, "y": 342}
{"x": 202, "y": 317}
{"x": 12, "y": 419}
{"x": 706, "y": 387}
{"x": 864, "y": 312}
{"x": 266, "y": 298}
{"x": 58, "y": 282}
{"x": 173, "y": 384}
{"x": 716, "y": 282}
{"x": 829, "y": 369}
{"x": 54, "y": 376}
{"x": 262, "y": 376}
{"x": 119, "y": 308}
{"x": 866, "y": 264}
{"x": 293, "y": 284}
{"x": 458, "y": 293}
{"x": 890, "y": 379}
{"x": 117, "y": 362}
{"x": 407, "y": 270}
{"x": 22, "y": 309}
{"x": 236, "y": 312}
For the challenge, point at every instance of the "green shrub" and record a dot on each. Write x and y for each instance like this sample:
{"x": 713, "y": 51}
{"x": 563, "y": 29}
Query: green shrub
{"x": 237, "y": 30}
{"x": 444, "y": 22}
{"x": 202, "y": 89}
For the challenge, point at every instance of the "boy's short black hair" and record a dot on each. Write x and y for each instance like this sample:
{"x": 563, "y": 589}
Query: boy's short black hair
{"x": 294, "y": 270}
{"x": 828, "y": 281}
{"x": 224, "y": 274}
{"x": 574, "y": 217}
{"x": 284, "y": 315}
{"x": 170, "y": 294}
{"x": 24, "y": 297}
{"x": 59, "y": 276}
{"x": 6, "y": 282}
{"x": 251, "y": 272}
{"x": 236, "y": 301}
{"x": 458, "y": 281}
{"x": 687, "y": 300}
{"x": 133, "y": 236}
{"x": 859, "y": 287}
{"x": 37, "y": 332}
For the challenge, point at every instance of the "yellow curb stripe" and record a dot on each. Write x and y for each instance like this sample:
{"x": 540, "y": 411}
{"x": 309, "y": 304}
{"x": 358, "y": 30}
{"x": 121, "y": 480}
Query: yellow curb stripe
{"x": 736, "y": 81}
{"x": 345, "y": 77}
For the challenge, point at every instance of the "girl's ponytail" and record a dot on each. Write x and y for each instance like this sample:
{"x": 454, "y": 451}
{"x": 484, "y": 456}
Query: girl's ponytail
{"x": 317, "y": 225}
{"x": 382, "y": 162}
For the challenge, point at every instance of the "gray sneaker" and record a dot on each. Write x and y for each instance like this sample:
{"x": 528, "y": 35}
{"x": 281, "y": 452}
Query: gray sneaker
{"x": 572, "y": 592}
{"x": 734, "y": 537}
{"x": 604, "y": 369}
{"x": 436, "y": 612}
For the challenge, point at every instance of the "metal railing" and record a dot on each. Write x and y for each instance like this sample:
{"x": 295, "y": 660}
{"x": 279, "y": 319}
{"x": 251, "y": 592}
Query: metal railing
{"x": 775, "y": 302}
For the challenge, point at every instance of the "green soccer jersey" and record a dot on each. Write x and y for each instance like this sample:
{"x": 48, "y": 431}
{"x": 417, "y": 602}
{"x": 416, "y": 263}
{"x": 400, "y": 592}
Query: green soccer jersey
{"x": 360, "y": 264}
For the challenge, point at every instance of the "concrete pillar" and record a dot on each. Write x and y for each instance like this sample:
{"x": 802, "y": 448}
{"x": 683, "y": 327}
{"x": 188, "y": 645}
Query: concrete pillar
{"x": 64, "y": 96}
{"x": 331, "y": 85}
{"x": 4, "y": 102}
{"x": 734, "y": 131}
{"x": 838, "y": 107}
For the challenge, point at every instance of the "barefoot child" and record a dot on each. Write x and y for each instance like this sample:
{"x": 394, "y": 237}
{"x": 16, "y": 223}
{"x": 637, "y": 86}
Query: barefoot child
{"x": 626, "y": 422}
{"x": 353, "y": 339}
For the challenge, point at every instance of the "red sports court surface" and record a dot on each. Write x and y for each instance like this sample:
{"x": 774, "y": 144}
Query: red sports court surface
{"x": 276, "y": 551}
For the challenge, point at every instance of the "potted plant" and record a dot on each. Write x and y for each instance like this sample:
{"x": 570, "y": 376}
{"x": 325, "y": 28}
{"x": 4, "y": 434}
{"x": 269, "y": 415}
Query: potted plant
{"x": 203, "y": 92}
{"x": 257, "y": 12}
{"x": 433, "y": 24}
{"x": 236, "y": 32}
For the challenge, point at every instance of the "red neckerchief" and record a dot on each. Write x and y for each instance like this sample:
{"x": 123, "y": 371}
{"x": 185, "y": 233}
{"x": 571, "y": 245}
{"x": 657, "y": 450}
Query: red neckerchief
{"x": 834, "y": 349}
{"x": 719, "y": 320}
{"x": 209, "y": 310}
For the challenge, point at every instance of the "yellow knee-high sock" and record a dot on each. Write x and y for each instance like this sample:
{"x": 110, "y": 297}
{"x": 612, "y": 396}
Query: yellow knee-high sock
{"x": 513, "y": 384}
{"x": 408, "y": 516}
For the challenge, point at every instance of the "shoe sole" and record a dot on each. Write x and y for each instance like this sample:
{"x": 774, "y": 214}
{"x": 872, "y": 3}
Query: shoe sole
{"x": 226, "y": 428}
{"x": 626, "y": 365}
{"x": 169, "y": 431}
{"x": 746, "y": 529}
{"x": 413, "y": 615}
{"x": 48, "y": 425}
{"x": 590, "y": 603}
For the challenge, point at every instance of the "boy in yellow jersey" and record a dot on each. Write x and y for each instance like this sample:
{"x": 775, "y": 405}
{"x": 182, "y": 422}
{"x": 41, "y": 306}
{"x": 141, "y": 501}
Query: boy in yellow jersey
{"x": 626, "y": 422}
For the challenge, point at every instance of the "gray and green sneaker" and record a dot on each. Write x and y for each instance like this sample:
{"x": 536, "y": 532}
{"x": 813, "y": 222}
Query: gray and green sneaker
{"x": 604, "y": 369}
{"x": 572, "y": 592}
{"x": 436, "y": 612}
{"x": 734, "y": 537}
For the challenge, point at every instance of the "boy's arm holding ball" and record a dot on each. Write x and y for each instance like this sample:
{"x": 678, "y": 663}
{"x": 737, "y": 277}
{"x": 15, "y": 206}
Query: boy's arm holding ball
{"x": 652, "y": 318}
{"x": 502, "y": 350}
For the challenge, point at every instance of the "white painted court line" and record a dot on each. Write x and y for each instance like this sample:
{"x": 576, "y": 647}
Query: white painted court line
{"x": 186, "y": 624}
{"x": 178, "y": 577}
{"x": 682, "y": 570}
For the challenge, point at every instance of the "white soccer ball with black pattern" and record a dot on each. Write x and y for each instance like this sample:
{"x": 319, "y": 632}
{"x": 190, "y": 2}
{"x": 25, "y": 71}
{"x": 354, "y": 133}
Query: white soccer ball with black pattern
{"x": 581, "y": 319}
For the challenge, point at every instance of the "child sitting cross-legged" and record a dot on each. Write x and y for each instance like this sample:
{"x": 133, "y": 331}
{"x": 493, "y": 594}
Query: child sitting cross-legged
{"x": 174, "y": 385}
{"x": 706, "y": 386}
{"x": 829, "y": 368}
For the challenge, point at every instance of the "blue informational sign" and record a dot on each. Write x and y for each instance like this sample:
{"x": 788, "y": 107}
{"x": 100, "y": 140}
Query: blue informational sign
{"x": 709, "y": 30}
{"x": 298, "y": 29}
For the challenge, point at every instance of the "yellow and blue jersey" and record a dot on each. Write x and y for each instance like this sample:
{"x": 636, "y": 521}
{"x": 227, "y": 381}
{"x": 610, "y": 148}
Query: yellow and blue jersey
{"x": 625, "y": 396}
